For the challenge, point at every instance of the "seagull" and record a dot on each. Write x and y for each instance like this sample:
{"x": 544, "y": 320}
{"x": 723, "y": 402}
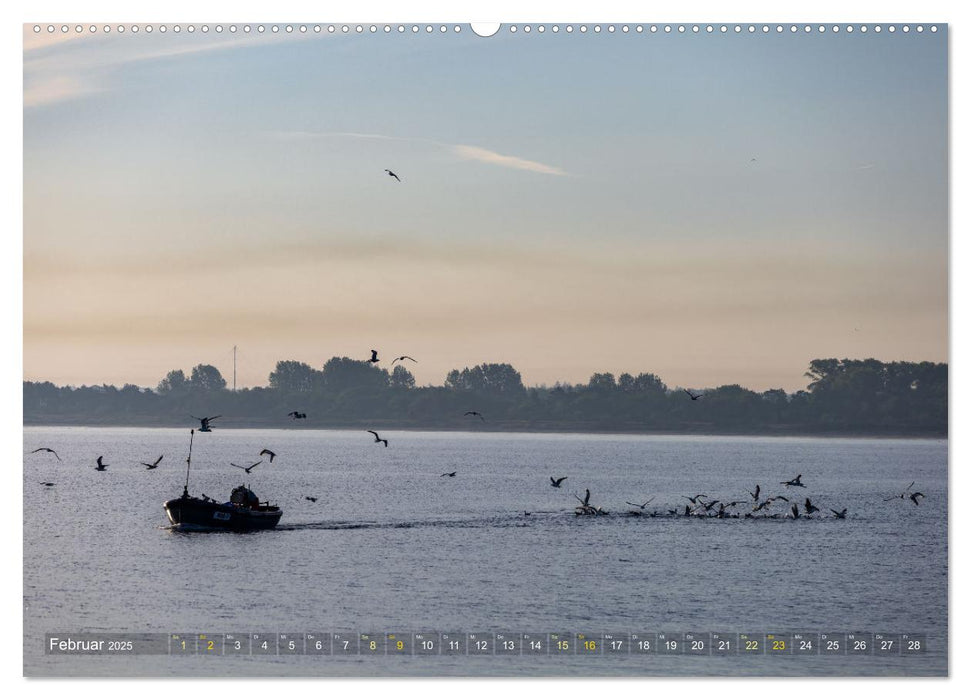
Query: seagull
{"x": 694, "y": 397}
{"x": 402, "y": 359}
{"x": 474, "y": 413}
{"x": 841, "y": 514}
{"x": 905, "y": 494}
{"x": 585, "y": 500}
{"x": 312, "y": 499}
{"x": 377, "y": 438}
{"x": 46, "y": 483}
{"x": 914, "y": 496}
{"x": 642, "y": 506}
{"x": 795, "y": 511}
{"x": 555, "y": 483}
{"x": 755, "y": 494}
{"x": 271, "y": 453}
{"x": 810, "y": 508}
{"x": 101, "y": 466}
{"x": 204, "y": 428}
{"x": 794, "y": 482}
{"x": 374, "y": 357}
{"x": 153, "y": 465}
{"x": 391, "y": 174}
{"x": 46, "y": 449}
{"x": 449, "y": 473}
{"x": 295, "y": 415}
{"x": 247, "y": 469}
{"x": 694, "y": 501}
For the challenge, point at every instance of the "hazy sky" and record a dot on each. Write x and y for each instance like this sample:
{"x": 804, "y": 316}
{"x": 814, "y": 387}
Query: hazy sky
{"x": 569, "y": 203}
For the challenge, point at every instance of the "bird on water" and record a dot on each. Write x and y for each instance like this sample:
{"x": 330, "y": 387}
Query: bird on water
{"x": 296, "y": 415}
{"x": 794, "y": 482}
{"x": 450, "y": 473}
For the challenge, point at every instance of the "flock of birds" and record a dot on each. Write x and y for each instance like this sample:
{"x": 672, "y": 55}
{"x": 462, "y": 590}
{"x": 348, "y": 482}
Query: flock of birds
{"x": 757, "y": 505}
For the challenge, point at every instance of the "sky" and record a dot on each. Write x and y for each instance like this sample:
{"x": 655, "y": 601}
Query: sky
{"x": 715, "y": 209}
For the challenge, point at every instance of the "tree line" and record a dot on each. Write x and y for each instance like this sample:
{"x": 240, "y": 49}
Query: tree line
{"x": 862, "y": 397}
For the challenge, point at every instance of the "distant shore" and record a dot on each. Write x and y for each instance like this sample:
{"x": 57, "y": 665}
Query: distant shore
{"x": 510, "y": 427}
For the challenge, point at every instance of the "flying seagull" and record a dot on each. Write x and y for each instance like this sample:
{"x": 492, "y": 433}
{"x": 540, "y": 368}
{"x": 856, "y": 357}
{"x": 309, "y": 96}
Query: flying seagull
{"x": 474, "y": 413}
{"x": 271, "y": 454}
{"x": 402, "y": 359}
{"x": 204, "y": 428}
{"x": 694, "y": 397}
{"x": 374, "y": 357}
{"x": 841, "y": 514}
{"x": 153, "y": 465}
{"x": 810, "y": 508}
{"x": 755, "y": 494}
{"x": 450, "y": 473}
{"x": 378, "y": 438}
{"x": 247, "y": 469}
{"x": 101, "y": 465}
{"x": 905, "y": 494}
{"x": 46, "y": 449}
{"x": 694, "y": 500}
{"x": 794, "y": 482}
{"x": 391, "y": 174}
{"x": 555, "y": 483}
{"x": 294, "y": 415}
{"x": 915, "y": 495}
{"x": 643, "y": 505}
{"x": 312, "y": 499}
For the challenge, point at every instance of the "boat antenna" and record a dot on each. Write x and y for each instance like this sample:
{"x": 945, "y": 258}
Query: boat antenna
{"x": 188, "y": 463}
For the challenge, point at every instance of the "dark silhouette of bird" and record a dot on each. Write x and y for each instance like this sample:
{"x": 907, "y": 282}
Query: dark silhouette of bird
{"x": 555, "y": 483}
{"x": 374, "y": 357}
{"x": 810, "y": 508}
{"x": 377, "y": 438}
{"x": 643, "y": 505}
{"x": 249, "y": 468}
{"x": 46, "y": 483}
{"x": 46, "y": 449}
{"x": 204, "y": 427}
{"x": 841, "y": 514}
{"x": 474, "y": 413}
{"x": 296, "y": 415}
{"x": 755, "y": 494}
{"x": 694, "y": 397}
{"x": 526, "y": 513}
{"x": 449, "y": 473}
{"x": 687, "y": 509}
{"x": 708, "y": 506}
{"x": 391, "y": 174}
{"x": 402, "y": 359}
{"x": 585, "y": 501}
{"x": 795, "y": 511}
{"x": 694, "y": 499}
{"x": 271, "y": 454}
{"x": 101, "y": 465}
{"x": 312, "y": 499}
{"x": 915, "y": 495}
{"x": 153, "y": 465}
{"x": 794, "y": 482}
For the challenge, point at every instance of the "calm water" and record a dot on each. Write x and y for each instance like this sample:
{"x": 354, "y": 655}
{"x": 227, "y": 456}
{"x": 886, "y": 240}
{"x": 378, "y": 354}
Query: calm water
{"x": 390, "y": 546}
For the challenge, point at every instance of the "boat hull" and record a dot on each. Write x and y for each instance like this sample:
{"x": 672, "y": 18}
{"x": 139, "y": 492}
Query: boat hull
{"x": 188, "y": 513}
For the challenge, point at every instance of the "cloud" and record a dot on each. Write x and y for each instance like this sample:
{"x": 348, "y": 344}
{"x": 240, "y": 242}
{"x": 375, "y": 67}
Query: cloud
{"x": 492, "y": 158}
{"x": 465, "y": 152}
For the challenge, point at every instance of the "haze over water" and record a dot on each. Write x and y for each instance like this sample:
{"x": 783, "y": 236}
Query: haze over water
{"x": 390, "y": 546}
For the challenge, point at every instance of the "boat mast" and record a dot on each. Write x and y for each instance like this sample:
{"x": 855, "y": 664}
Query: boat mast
{"x": 188, "y": 463}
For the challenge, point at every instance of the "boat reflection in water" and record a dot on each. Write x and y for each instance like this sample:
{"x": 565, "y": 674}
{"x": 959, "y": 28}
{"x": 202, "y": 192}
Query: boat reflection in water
{"x": 241, "y": 513}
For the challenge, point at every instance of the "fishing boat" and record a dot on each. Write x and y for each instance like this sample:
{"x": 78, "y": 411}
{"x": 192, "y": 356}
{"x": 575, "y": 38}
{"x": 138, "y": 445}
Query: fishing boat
{"x": 242, "y": 512}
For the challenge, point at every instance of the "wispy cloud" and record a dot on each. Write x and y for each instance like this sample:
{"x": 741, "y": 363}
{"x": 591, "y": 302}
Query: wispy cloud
{"x": 484, "y": 155}
{"x": 463, "y": 151}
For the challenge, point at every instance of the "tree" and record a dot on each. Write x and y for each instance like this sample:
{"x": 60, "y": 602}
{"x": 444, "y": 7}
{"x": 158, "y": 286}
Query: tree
{"x": 602, "y": 382}
{"x": 174, "y": 381}
{"x": 497, "y": 379}
{"x": 342, "y": 373}
{"x": 401, "y": 378}
{"x": 206, "y": 378}
{"x": 293, "y": 376}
